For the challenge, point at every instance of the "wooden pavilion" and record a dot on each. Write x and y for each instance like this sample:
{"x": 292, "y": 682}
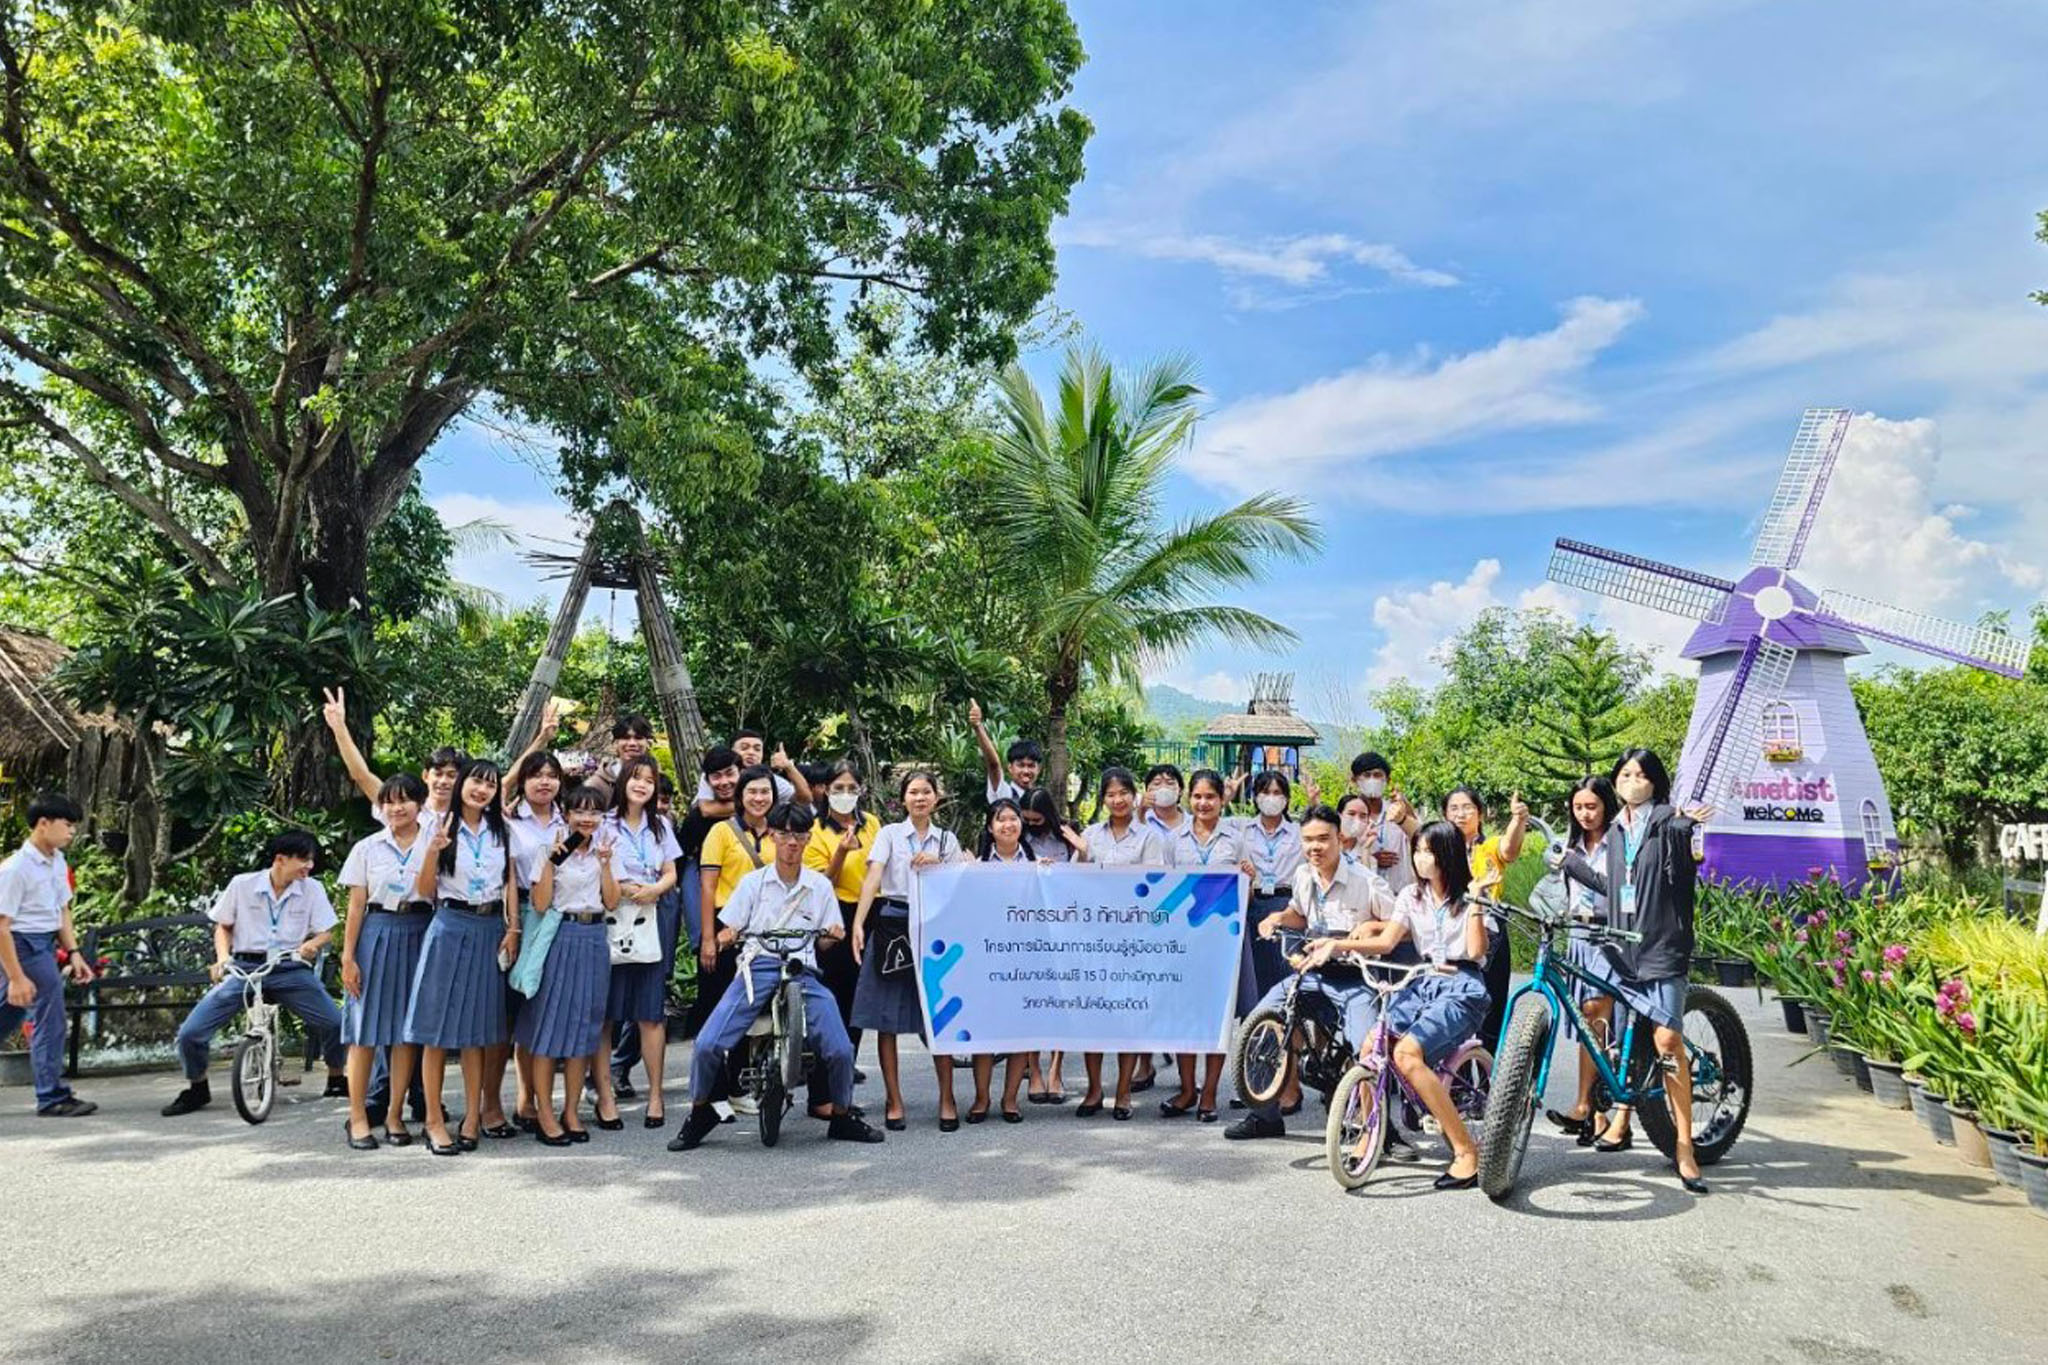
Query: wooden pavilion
{"x": 1266, "y": 734}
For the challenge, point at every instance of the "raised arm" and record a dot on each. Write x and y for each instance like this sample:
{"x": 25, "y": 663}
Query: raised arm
{"x": 799, "y": 785}
{"x": 1518, "y": 828}
{"x": 334, "y": 709}
{"x": 991, "y": 761}
{"x": 543, "y": 735}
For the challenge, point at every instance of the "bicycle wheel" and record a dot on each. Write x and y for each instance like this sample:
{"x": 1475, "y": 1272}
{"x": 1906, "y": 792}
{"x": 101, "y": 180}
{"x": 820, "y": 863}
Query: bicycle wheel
{"x": 795, "y": 1030}
{"x": 1512, "y": 1100}
{"x": 1356, "y": 1135}
{"x": 255, "y": 1076}
{"x": 772, "y": 1106}
{"x": 1258, "y": 1056}
{"x": 1470, "y": 1081}
{"x": 1722, "y": 1077}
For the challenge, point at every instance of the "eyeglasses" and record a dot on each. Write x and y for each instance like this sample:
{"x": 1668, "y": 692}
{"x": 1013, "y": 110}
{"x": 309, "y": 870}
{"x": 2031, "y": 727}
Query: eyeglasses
{"x": 792, "y": 836}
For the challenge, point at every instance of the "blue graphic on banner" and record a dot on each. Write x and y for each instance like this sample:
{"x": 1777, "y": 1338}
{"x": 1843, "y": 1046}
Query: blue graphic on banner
{"x": 1013, "y": 956}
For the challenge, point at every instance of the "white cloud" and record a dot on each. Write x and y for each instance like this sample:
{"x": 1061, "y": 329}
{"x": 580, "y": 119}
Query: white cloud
{"x": 536, "y": 525}
{"x": 1419, "y": 622}
{"x": 1386, "y": 406}
{"x": 1298, "y": 262}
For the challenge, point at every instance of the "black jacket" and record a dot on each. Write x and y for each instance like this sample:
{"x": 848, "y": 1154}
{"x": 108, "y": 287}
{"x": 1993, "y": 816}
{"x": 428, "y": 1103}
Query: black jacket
{"x": 1665, "y": 878}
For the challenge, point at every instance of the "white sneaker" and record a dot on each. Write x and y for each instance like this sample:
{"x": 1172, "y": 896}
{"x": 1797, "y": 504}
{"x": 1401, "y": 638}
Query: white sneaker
{"x": 745, "y": 1105}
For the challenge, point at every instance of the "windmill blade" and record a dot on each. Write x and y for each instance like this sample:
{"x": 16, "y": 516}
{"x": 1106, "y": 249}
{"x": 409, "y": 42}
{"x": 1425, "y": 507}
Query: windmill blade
{"x": 1738, "y": 726}
{"x": 1631, "y": 578}
{"x": 1808, "y": 467}
{"x": 1978, "y": 646}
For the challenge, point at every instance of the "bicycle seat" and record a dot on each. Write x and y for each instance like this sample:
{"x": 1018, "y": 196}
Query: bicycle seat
{"x": 762, "y": 1027}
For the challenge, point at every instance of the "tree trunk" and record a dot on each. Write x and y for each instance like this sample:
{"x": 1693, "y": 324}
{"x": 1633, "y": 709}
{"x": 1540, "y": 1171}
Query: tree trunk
{"x": 336, "y": 571}
{"x": 1060, "y": 690}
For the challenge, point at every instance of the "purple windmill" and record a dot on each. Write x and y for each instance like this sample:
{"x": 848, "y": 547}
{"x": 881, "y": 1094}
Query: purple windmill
{"x": 1776, "y": 745}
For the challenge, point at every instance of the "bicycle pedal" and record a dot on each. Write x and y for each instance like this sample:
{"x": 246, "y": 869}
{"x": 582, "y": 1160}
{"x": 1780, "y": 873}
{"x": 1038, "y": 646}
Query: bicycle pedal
{"x": 1431, "y": 1126}
{"x": 287, "y": 1080}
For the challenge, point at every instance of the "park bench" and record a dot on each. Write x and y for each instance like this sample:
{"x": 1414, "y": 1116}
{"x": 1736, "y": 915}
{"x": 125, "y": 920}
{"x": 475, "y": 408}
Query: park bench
{"x": 155, "y": 964}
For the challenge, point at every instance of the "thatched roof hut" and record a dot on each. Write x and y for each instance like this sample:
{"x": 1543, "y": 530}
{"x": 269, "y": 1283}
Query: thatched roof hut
{"x": 46, "y": 742}
{"x": 1267, "y": 733}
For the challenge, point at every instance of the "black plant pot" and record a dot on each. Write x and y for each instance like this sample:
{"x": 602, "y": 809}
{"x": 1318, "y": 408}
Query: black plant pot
{"x": 1795, "y": 1014}
{"x": 2005, "y": 1155}
{"x": 1844, "y": 1059}
{"x": 1731, "y": 971}
{"x": 2034, "y": 1179}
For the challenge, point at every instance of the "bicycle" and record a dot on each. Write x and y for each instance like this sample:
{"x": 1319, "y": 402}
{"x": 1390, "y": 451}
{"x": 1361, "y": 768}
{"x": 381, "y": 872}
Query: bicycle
{"x": 776, "y": 1059}
{"x": 256, "y": 1071}
{"x": 1267, "y": 1040}
{"x": 1362, "y": 1109}
{"x": 1628, "y": 1068}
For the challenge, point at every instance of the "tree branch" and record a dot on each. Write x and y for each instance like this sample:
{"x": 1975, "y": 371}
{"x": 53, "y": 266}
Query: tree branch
{"x": 137, "y": 411}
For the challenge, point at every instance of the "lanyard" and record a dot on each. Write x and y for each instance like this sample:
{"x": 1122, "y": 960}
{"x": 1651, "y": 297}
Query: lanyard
{"x": 1273, "y": 843}
{"x": 475, "y": 845}
{"x": 1320, "y": 896}
{"x": 917, "y": 841}
{"x": 396, "y": 882}
{"x": 275, "y": 909}
{"x": 642, "y": 861}
{"x": 1215, "y": 838}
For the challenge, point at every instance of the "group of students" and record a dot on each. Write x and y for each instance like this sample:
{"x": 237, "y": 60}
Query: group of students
{"x": 527, "y": 924}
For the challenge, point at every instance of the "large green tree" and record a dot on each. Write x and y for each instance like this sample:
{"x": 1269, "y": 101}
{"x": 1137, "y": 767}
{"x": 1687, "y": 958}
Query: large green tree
{"x": 1076, "y": 505}
{"x": 1591, "y": 677}
{"x": 258, "y": 255}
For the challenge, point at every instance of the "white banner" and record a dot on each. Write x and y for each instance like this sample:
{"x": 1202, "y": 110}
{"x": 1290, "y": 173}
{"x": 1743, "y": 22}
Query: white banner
{"x": 1013, "y": 957}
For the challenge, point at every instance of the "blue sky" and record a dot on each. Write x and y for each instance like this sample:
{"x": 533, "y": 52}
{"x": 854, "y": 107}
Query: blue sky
{"x": 1471, "y": 274}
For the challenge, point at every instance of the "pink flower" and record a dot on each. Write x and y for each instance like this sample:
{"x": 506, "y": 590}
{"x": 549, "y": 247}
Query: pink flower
{"x": 1799, "y": 937}
{"x": 1895, "y": 953}
{"x": 1886, "y": 978}
{"x": 1967, "y": 1022}
{"x": 1869, "y": 975}
{"x": 1844, "y": 937}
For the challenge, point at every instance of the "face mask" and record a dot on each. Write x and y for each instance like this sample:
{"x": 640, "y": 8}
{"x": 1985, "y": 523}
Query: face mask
{"x": 1165, "y": 797}
{"x": 1372, "y": 788}
{"x": 1635, "y": 790}
{"x": 1272, "y": 803}
{"x": 1425, "y": 866}
{"x": 1353, "y": 826}
{"x": 843, "y": 802}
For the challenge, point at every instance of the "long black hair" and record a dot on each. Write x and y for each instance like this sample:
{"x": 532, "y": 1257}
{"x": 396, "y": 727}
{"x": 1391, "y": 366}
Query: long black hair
{"x": 1446, "y": 844}
{"x": 1653, "y": 768}
{"x": 822, "y": 789}
{"x": 532, "y": 766}
{"x": 988, "y": 825}
{"x": 494, "y": 810}
{"x": 656, "y": 825}
{"x": 1610, "y": 806}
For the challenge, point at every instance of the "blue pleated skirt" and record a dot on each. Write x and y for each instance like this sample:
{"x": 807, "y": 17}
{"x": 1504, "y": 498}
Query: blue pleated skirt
{"x": 566, "y": 1018}
{"x": 458, "y": 993}
{"x": 886, "y": 1004}
{"x": 388, "y": 955}
{"x": 639, "y": 992}
{"x": 1440, "y": 1012}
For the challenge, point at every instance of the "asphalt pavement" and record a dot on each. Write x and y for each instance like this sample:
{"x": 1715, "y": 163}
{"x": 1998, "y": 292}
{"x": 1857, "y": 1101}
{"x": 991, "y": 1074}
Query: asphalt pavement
{"x": 1836, "y": 1234}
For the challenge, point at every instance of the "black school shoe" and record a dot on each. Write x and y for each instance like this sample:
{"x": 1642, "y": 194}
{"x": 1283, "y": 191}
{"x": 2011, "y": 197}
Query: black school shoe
{"x": 194, "y": 1096}
{"x": 848, "y": 1128}
{"x": 337, "y": 1086}
{"x": 70, "y": 1107}
{"x": 697, "y": 1126}
{"x": 1255, "y": 1126}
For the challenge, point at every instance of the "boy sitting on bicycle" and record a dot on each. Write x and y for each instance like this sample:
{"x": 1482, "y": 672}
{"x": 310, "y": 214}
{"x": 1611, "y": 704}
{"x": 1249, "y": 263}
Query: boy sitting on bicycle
{"x": 1333, "y": 898}
{"x": 276, "y": 911}
{"x": 783, "y": 897}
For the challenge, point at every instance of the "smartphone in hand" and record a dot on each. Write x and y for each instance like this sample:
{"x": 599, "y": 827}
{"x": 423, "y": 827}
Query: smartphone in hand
{"x": 570, "y": 845}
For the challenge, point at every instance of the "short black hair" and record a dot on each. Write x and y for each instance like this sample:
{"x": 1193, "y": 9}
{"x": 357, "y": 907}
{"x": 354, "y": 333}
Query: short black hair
{"x": 632, "y": 725}
{"x": 583, "y": 796}
{"x": 739, "y": 735}
{"x": 1320, "y": 812}
{"x": 791, "y": 817}
{"x": 447, "y": 756}
{"x": 1164, "y": 770}
{"x": 816, "y": 774}
{"x": 1446, "y": 844}
{"x": 1021, "y": 749}
{"x": 292, "y": 843}
{"x": 1210, "y": 776}
{"x": 1115, "y": 777}
{"x": 749, "y": 776}
{"x": 1653, "y": 768}
{"x": 53, "y": 806}
{"x": 1371, "y": 762}
{"x": 402, "y": 787}
{"x": 718, "y": 758}
{"x": 1272, "y": 779}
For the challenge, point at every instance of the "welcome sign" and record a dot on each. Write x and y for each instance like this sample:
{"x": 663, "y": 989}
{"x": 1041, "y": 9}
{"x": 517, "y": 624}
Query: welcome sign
{"x": 1017, "y": 956}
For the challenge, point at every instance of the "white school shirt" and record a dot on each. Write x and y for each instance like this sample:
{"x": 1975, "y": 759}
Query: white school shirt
{"x": 532, "y": 840}
{"x": 1436, "y": 929}
{"x": 388, "y": 874}
{"x": 34, "y": 889}
{"x": 763, "y": 901}
{"x": 579, "y": 884}
{"x": 1166, "y": 831}
{"x": 897, "y": 844}
{"x": 267, "y": 923}
{"x": 479, "y": 875}
{"x": 640, "y": 852}
{"x": 1048, "y": 846}
{"x": 1585, "y": 901}
{"x": 1392, "y": 839}
{"x": 1275, "y": 853}
{"x": 1003, "y": 787}
{"x": 1357, "y": 895}
{"x": 1184, "y": 849}
{"x": 784, "y": 789}
{"x": 429, "y": 818}
{"x": 1139, "y": 844}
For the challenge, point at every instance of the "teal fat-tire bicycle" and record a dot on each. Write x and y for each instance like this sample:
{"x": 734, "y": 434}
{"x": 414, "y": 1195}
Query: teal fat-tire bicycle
{"x": 1627, "y": 1068}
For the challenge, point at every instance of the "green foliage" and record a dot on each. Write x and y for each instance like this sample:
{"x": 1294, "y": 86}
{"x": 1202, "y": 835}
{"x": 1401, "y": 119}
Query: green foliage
{"x": 1590, "y": 680}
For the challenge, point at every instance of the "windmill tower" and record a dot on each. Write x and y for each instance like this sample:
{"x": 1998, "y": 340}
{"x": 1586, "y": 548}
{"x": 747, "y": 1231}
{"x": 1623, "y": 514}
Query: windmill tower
{"x": 1775, "y": 744}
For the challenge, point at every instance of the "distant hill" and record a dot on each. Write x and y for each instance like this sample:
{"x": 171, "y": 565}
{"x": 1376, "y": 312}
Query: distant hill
{"x": 1174, "y": 710}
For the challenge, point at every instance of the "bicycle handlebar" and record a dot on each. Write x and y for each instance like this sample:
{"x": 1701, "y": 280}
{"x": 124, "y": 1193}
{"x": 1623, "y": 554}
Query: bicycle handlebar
{"x": 1552, "y": 923}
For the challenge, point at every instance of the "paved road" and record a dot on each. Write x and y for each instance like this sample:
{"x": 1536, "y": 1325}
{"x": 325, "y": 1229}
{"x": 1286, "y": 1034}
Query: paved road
{"x": 1836, "y": 1233}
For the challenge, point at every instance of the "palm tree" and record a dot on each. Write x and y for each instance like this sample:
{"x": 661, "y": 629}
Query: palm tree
{"x": 1077, "y": 507}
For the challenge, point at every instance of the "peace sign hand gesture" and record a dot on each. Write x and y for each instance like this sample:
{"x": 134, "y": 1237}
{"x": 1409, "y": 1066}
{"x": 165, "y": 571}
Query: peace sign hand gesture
{"x": 334, "y": 709}
{"x": 443, "y": 836}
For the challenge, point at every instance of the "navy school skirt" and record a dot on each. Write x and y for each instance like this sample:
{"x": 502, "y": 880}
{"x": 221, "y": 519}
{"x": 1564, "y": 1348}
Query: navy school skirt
{"x": 886, "y": 1004}
{"x": 388, "y": 956}
{"x": 639, "y": 990}
{"x": 1440, "y": 1012}
{"x": 566, "y": 1017}
{"x": 458, "y": 993}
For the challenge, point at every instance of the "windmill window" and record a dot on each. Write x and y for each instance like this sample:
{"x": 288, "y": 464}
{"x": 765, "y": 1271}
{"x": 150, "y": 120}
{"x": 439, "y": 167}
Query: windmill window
{"x": 1781, "y": 726}
{"x": 1873, "y": 832}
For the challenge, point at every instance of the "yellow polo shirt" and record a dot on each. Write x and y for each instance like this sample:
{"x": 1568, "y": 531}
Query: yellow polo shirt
{"x": 732, "y": 854}
{"x": 825, "y": 840}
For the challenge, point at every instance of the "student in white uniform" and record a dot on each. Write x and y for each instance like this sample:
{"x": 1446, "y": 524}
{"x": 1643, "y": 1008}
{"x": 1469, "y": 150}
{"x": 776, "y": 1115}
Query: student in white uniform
{"x": 790, "y": 782}
{"x": 380, "y": 952}
{"x": 563, "y": 1025}
{"x": 1392, "y": 818}
{"x": 1024, "y": 760}
{"x": 644, "y": 854}
{"x": 1269, "y": 849}
{"x": 1118, "y": 839}
{"x": 1207, "y": 838}
{"x": 277, "y": 911}
{"x": 533, "y": 820}
{"x": 35, "y": 923}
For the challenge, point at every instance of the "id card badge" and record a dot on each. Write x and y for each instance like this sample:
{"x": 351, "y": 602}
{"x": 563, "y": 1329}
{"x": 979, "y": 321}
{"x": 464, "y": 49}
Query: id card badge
{"x": 476, "y": 890}
{"x": 1267, "y": 886}
{"x": 1628, "y": 899}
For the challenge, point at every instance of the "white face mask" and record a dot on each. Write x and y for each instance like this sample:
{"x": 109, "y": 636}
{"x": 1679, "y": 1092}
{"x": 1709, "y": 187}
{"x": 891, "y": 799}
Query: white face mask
{"x": 1353, "y": 826}
{"x": 1372, "y": 788}
{"x": 1166, "y": 797}
{"x": 843, "y": 802}
{"x": 1635, "y": 790}
{"x": 1272, "y": 803}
